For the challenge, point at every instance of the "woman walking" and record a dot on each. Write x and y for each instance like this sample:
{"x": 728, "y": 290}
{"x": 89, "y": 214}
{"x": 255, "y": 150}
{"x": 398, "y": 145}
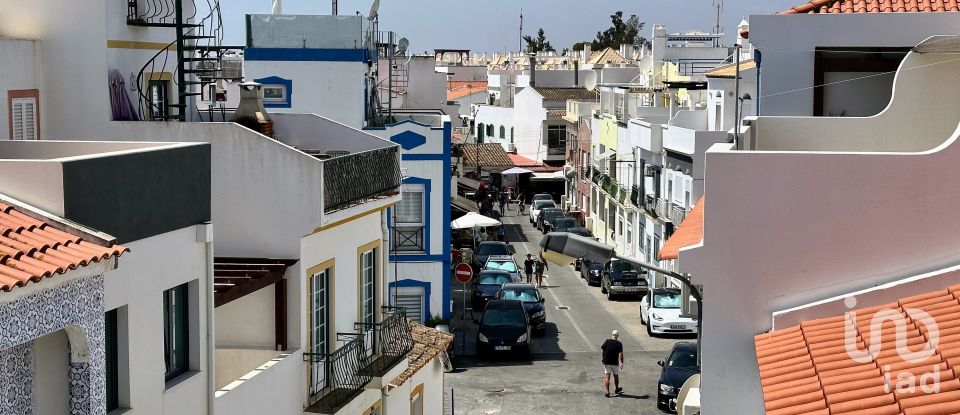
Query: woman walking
{"x": 539, "y": 266}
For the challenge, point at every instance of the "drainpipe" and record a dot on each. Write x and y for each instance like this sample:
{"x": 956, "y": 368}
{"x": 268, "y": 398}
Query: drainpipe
{"x": 757, "y": 58}
{"x": 205, "y": 236}
{"x": 385, "y": 253}
{"x": 576, "y": 72}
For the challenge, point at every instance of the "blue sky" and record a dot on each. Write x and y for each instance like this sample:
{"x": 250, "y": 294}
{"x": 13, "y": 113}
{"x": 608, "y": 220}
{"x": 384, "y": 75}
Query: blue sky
{"x": 492, "y": 25}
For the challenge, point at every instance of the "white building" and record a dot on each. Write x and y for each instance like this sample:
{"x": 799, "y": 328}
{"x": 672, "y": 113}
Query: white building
{"x": 829, "y": 187}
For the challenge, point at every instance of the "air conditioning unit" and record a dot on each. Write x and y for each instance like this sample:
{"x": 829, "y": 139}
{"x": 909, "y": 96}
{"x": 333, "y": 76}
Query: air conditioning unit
{"x": 649, "y": 170}
{"x": 511, "y": 148}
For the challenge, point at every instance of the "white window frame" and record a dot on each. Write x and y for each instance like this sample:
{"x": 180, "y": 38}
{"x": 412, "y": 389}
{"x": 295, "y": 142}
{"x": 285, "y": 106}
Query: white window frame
{"x": 368, "y": 286}
{"x": 319, "y": 341}
{"x": 273, "y": 100}
{"x": 409, "y": 189}
{"x": 21, "y": 119}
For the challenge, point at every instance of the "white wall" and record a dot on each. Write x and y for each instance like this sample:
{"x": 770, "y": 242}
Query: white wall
{"x": 283, "y": 380}
{"x": 788, "y": 59}
{"x": 330, "y": 89}
{"x": 852, "y": 96}
{"x": 19, "y": 69}
{"x": 528, "y": 120}
{"x": 464, "y": 73}
{"x": 247, "y": 321}
{"x": 138, "y": 283}
{"x": 51, "y": 374}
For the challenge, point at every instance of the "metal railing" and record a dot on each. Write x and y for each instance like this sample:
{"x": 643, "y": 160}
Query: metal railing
{"x": 408, "y": 238}
{"x": 359, "y": 177}
{"x": 677, "y": 213}
{"x": 663, "y": 209}
{"x": 337, "y": 377}
{"x": 635, "y": 196}
{"x": 387, "y": 342}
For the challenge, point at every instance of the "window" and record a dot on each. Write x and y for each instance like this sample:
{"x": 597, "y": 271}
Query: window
{"x": 411, "y": 299}
{"x": 319, "y": 315}
{"x": 113, "y": 370}
{"x": 480, "y": 131}
{"x": 274, "y": 93}
{"x": 409, "y": 227}
{"x": 175, "y": 331}
{"x": 556, "y": 139}
{"x": 416, "y": 400}
{"x": 158, "y": 93}
{"x": 503, "y": 132}
{"x": 368, "y": 284}
{"x": 23, "y": 115}
{"x": 511, "y": 135}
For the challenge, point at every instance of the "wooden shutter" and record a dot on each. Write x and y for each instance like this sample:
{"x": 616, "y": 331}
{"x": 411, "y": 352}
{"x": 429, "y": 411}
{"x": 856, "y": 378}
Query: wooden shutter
{"x": 23, "y": 118}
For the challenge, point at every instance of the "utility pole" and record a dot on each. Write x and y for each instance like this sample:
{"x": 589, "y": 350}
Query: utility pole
{"x": 334, "y": 8}
{"x": 521, "y": 30}
{"x": 736, "y": 100}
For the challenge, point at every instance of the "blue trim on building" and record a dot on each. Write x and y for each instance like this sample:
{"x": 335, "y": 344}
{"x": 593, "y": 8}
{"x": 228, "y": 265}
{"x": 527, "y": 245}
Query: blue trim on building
{"x": 424, "y": 157}
{"x": 426, "y": 293}
{"x": 276, "y": 80}
{"x": 306, "y": 55}
{"x": 448, "y": 256}
{"x": 417, "y": 258}
{"x": 409, "y": 140}
{"x": 427, "y": 188}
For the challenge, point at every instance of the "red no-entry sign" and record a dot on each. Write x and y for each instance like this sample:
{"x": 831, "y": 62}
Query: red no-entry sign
{"x": 464, "y": 273}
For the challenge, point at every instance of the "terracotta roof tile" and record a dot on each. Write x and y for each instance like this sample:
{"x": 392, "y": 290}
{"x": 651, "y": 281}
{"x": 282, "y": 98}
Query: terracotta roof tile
{"x": 690, "y": 232}
{"x": 558, "y": 112}
{"x": 874, "y": 6}
{"x": 460, "y": 89}
{"x": 428, "y": 343}
{"x": 565, "y": 93}
{"x": 490, "y": 154}
{"x": 529, "y": 164}
{"x": 807, "y": 368}
{"x": 31, "y": 249}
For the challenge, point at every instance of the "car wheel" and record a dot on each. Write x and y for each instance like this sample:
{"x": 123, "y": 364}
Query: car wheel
{"x": 642, "y": 321}
{"x": 609, "y": 296}
{"x": 661, "y": 406}
{"x": 649, "y": 330}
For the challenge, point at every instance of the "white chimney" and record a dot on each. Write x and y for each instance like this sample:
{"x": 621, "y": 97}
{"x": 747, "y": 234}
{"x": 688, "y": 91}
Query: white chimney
{"x": 277, "y": 7}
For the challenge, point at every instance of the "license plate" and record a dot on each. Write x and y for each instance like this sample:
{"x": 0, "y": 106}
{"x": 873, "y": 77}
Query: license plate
{"x": 678, "y": 327}
{"x": 501, "y": 348}
{"x": 631, "y": 289}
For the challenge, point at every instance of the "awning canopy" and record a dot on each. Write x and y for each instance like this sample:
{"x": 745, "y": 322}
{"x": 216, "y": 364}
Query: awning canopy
{"x": 516, "y": 170}
{"x": 605, "y": 155}
{"x": 557, "y": 175}
{"x": 473, "y": 220}
{"x": 689, "y": 233}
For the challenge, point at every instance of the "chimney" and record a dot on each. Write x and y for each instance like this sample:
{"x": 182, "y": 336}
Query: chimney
{"x": 250, "y": 112}
{"x": 576, "y": 72}
{"x": 586, "y": 51}
{"x": 533, "y": 70}
{"x": 277, "y": 7}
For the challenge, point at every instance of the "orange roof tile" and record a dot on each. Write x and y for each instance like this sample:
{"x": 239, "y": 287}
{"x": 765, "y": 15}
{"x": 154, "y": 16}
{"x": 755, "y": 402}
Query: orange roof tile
{"x": 690, "y": 232}
{"x": 807, "y": 368}
{"x": 533, "y": 165}
{"x": 31, "y": 250}
{"x": 874, "y": 6}
{"x": 427, "y": 344}
{"x": 460, "y": 89}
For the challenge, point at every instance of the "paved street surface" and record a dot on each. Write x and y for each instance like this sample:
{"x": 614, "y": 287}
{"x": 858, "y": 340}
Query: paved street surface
{"x": 564, "y": 375}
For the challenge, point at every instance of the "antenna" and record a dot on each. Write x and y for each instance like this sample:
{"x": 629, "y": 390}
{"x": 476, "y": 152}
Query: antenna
{"x": 590, "y": 81}
{"x": 374, "y": 8}
{"x": 334, "y": 8}
{"x": 717, "y": 4}
{"x": 521, "y": 29}
{"x": 402, "y": 45}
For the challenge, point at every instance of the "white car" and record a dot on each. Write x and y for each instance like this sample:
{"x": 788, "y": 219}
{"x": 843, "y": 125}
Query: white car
{"x": 539, "y": 205}
{"x": 660, "y": 312}
{"x": 503, "y": 263}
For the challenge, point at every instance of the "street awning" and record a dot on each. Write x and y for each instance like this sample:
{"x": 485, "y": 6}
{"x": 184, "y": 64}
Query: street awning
{"x": 605, "y": 155}
{"x": 689, "y": 233}
{"x": 557, "y": 175}
{"x": 516, "y": 170}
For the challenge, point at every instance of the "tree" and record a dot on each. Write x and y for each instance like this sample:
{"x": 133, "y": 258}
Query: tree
{"x": 621, "y": 33}
{"x": 578, "y": 46}
{"x": 540, "y": 44}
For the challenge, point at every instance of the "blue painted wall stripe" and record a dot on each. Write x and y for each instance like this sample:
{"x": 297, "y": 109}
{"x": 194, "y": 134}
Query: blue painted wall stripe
{"x": 307, "y": 55}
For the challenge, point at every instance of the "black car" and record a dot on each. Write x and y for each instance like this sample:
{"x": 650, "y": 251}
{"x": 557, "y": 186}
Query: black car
{"x": 488, "y": 248}
{"x": 504, "y": 327}
{"x": 532, "y": 302}
{"x": 486, "y": 285}
{"x": 561, "y": 224}
{"x": 581, "y": 231}
{"x": 547, "y": 216}
{"x": 680, "y": 365}
{"x": 590, "y": 271}
{"x": 623, "y": 278}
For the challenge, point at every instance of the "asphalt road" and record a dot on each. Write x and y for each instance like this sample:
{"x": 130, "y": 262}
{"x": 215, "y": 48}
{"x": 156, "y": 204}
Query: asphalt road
{"x": 564, "y": 375}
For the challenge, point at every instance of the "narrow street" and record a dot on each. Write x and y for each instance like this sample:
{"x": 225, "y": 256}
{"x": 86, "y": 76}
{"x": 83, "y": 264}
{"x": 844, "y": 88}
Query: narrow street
{"x": 563, "y": 375}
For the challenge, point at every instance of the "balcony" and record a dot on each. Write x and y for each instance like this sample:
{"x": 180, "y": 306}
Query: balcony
{"x": 360, "y": 177}
{"x": 636, "y": 196}
{"x": 662, "y": 209}
{"x": 677, "y": 213}
{"x": 408, "y": 239}
{"x": 267, "y": 31}
{"x": 387, "y": 342}
{"x": 336, "y": 378}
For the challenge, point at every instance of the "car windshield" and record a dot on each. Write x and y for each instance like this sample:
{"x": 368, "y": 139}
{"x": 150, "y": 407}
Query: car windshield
{"x": 551, "y": 214}
{"x": 527, "y": 295}
{"x": 543, "y": 204}
{"x": 623, "y": 266}
{"x": 581, "y": 232}
{"x": 564, "y": 223}
{"x": 683, "y": 359}
{"x": 666, "y": 300}
{"x": 493, "y": 249}
{"x": 508, "y": 266}
{"x": 494, "y": 279}
{"x": 503, "y": 317}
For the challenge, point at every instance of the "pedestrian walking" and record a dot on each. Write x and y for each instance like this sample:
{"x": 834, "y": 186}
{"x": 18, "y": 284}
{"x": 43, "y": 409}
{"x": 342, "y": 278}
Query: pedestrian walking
{"x": 520, "y": 206}
{"x": 528, "y": 267}
{"x": 539, "y": 266}
{"x": 503, "y": 203}
{"x": 501, "y": 233}
{"x": 612, "y": 351}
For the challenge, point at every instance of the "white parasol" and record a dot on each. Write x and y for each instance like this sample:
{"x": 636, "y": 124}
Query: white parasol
{"x": 473, "y": 220}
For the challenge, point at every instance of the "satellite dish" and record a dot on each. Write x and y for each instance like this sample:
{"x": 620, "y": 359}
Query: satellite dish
{"x": 402, "y": 45}
{"x": 590, "y": 81}
{"x": 373, "y": 10}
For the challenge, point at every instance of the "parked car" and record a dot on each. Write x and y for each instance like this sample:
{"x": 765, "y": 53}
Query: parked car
{"x": 680, "y": 365}
{"x": 660, "y": 310}
{"x": 504, "y": 327}
{"x": 590, "y": 271}
{"x": 582, "y": 232}
{"x": 503, "y": 263}
{"x": 488, "y": 248}
{"x": 622, "y": 278}
{"x": 532, "y": 301}
{"x": 486, "y": 285}
{"x": 538, "y": 205}
{"x": 560, "y": 224}
{"x": 547, "y": 216}
{"x": 541, "y": 196}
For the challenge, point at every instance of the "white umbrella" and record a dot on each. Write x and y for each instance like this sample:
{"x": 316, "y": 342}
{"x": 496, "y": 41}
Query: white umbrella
{"x": 473, "y": 220}
{"x": 516, "y": 170}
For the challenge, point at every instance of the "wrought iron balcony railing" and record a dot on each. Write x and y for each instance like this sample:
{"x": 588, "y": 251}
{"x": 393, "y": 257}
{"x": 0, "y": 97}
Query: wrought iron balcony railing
{"x": 387, "y": 342}
{"x": 677, "y": 213}
{"x": 408, "y": 239}
{"x": 336, "y": 378}
{"x": 636, "y": 196}
{"x": 356, "y": 178}
{"x": 663, "y": 209}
